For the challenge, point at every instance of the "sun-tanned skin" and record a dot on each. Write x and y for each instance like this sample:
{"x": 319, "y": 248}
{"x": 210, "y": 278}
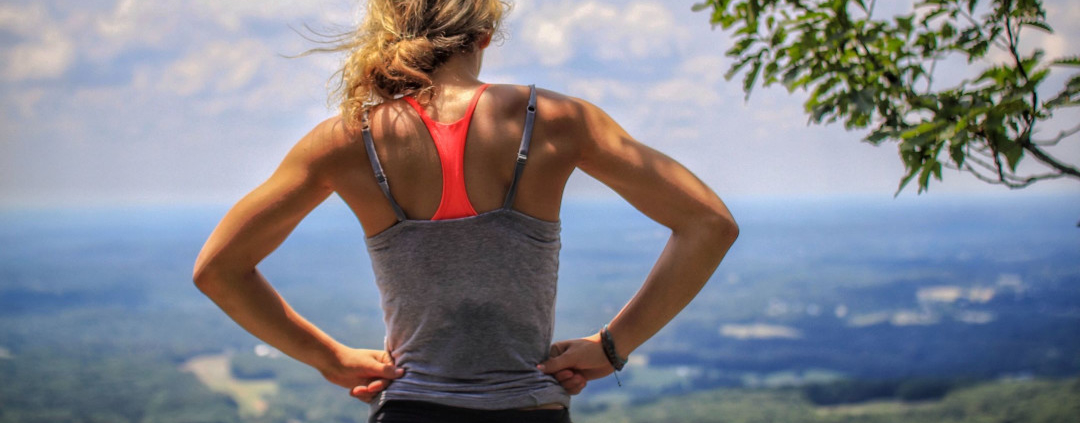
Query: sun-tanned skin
{"x": 569, "y": 134}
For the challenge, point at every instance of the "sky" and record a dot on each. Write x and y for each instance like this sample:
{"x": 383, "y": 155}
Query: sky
{"x": 129, "y": 102}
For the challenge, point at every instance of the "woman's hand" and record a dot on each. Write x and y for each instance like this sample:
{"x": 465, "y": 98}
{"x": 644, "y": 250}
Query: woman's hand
{"x": 574, "y": 362}
{"x": 364, "y": 373}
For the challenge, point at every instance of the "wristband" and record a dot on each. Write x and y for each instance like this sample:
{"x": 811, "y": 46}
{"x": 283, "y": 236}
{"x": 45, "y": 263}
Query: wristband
{"x": 609, "y": 349}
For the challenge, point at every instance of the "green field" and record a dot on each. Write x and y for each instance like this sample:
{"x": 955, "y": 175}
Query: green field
{"x": 250, "y": 395}
{"x": 1033, "y": 401}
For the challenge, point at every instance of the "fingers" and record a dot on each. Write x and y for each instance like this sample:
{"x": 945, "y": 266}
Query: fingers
{"x": 571, "y": 381}
{"x": 556, "y": 349}
{"x": 575, "y": 385}
{"x": 367, "y": 391}
{"x": 389, "y": 371}
{"x": 557, "y": 360}
{"x": 554, "y": 364}
{"x": 563, "y": 375}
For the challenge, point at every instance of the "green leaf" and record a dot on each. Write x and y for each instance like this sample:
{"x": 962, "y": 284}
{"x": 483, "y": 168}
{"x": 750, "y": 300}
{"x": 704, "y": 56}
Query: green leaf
{"x": 947, "y": 30}
{"x": 903, "y": 182}
{"x": 1038, "y": 24}
{"x": 904, "y": 23}
{"x": 1013, "y": 152}
{"x": 1067, "y": 61}
{"x": 789, "y": 77}
{"x": 751, "y": 77}
{"x": 778, "y": 37}
{"x": 1035, "y": 78}
{"x": 999, "y": 74}
{"x": 697, "y": 7}
{"x": 819, "y": 112}
{"x": 878, "y": 136}
{"x": 1070, "y": 96}
{"x": 740, "y": 47}
{"x": 735, "y": 67}
{"x": 921, "y": 129}
{"x": 956, "y": 151}
{"x": 925, "y": 172}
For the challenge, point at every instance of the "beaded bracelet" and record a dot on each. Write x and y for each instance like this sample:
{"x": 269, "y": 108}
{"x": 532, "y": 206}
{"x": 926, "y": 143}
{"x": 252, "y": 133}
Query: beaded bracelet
{"x": 608, "y": 344}
{"x": 609, "y": 349}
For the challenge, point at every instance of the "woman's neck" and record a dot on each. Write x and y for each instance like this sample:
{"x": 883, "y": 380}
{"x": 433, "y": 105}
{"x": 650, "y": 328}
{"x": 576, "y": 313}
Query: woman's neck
{"x": 461, "y": 70}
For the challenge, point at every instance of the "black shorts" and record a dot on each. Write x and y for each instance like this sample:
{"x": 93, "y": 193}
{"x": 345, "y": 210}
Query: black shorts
{"x": 397, "y": 411}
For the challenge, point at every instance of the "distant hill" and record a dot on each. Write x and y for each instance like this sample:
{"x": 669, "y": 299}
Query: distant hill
{"x": 1031, "y": 401}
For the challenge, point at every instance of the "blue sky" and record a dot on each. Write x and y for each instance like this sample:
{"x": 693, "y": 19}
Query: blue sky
{"x": 116, "y": 102}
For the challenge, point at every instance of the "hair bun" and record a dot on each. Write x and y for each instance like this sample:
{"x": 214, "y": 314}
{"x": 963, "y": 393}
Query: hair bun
{"x": 401, "y": 42}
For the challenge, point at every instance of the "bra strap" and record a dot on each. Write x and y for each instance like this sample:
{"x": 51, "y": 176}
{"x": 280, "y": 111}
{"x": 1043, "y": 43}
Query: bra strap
{"x": 523, "y": 151}
{"x": 380, "y": 177}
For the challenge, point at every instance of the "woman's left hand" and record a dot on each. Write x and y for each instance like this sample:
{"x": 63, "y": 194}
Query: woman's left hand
{"x": 364, "y": 373}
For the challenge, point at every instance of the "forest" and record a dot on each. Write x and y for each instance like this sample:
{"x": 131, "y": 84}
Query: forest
{"x": 860, "y": 311}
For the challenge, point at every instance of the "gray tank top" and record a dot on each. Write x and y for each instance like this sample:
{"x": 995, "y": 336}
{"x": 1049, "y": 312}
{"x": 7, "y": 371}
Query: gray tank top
{"x": 469, "y": 302}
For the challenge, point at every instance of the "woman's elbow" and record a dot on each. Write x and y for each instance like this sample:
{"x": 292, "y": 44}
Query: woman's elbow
{"x": 721, "y": 229}
{"x": 202, "y": 276}
{"x": 207, "y": 276}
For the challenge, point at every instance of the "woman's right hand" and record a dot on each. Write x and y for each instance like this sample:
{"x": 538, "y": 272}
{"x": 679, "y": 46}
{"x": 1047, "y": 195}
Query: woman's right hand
{"x": 574, "y": 362}
{"x": 364, "y": 373}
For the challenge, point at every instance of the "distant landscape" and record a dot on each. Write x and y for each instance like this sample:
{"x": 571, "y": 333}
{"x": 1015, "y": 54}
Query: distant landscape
{"x": 827, "y": 310}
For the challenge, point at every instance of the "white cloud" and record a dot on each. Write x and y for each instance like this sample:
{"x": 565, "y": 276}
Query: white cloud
{"x": 601, "y": 90}
{"x": 557, "y": 31}
{"x": 21, "y": 20}
{"x": 121, "y": 22}
{"x": 643, "y": 30}
{"x": 133, "y": 24}
{"x": 759, "y": 331}
{"x": 551, "y": 42}
{"x": 43, "y": 51}
{"x": 221, "y": 66}
{"x": 698, "y": 81}
{"x": 233, "y": 15}
{"x": 46, "y": 58}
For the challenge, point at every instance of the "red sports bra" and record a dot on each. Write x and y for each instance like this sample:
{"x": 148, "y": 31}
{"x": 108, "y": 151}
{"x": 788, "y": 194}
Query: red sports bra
{"x": 450, "y": 143}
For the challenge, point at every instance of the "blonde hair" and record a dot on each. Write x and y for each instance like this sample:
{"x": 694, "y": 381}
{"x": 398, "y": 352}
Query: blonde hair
{"x": 401, "y": 42}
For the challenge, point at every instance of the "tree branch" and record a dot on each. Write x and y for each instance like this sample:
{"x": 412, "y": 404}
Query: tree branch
{"x": 1011, "y": 185}
{"x": 930, "y": 76}
{"x": 1014, "y": 39}
{"x": 1049, "y": 160}
{"x": 997, "y": 162}
{"x": 1003, "y": 176}
{"x": 1012, "y": 182}
{"x": 978, "y": 27}
{"x": 1060, "y": 136}
{"x": 973, "y": 159}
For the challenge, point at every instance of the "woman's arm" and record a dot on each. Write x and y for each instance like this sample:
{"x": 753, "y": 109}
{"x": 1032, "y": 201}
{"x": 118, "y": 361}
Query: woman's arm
{"x": 225, "y": 269}
{"x": 702, "y": 231}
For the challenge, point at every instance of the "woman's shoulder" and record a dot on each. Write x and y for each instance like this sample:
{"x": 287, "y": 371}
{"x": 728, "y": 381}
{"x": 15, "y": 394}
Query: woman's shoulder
{"x": 554, "y": 109}
{"x": 327, "y": 144}
{"x": 556, "y": 101}
{"x": 330, "y": 136}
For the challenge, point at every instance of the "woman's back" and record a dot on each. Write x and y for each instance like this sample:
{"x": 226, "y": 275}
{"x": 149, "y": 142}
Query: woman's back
{"x": 411, "y": 161}
{"x": 469, "y": 295}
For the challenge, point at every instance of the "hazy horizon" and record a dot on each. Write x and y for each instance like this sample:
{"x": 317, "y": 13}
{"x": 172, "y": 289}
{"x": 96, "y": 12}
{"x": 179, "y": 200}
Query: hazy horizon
{"x": 127, "y": 102}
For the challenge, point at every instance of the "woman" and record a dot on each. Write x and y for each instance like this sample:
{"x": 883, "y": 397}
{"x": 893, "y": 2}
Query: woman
{"x": 464, "y": 238}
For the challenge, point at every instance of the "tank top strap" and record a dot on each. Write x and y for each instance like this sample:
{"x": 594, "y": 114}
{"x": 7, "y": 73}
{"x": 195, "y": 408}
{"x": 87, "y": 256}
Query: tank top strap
{"x": 523, "y": 150}
{"x": 429, "y": 122}
{"x": 380, "y": 176}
